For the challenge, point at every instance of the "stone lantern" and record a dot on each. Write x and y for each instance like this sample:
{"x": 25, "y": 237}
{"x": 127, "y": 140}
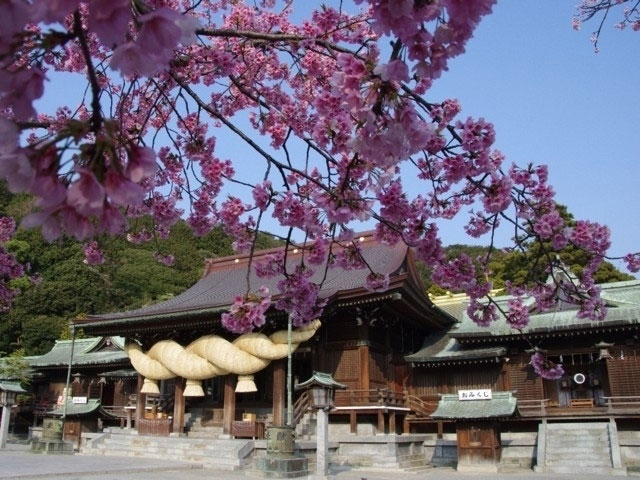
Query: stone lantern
{"x": 322, "y": 388}
{"x": 9, "y": 391}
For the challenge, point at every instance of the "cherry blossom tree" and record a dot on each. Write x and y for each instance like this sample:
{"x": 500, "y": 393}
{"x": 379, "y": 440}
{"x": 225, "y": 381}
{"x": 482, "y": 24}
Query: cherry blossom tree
{"x": 342, "y": 99}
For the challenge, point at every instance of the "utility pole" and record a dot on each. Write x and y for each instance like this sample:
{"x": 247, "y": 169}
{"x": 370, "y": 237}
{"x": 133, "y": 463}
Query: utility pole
{"x": 289, "y": 376}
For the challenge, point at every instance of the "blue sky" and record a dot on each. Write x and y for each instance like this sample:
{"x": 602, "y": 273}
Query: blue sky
{"x": 551, "y": 99}
{"x": 554, "y": 101}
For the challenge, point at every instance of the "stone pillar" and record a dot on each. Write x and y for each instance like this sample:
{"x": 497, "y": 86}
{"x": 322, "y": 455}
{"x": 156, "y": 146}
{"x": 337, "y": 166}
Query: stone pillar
{"x": 4, "y": 427}
{"x": 279, "y": 374}
{"x": 322, "y": 447}
{"x": 178, "y": 406}
{"x": 229, "y": 412}
{"x": 141, "y": 400}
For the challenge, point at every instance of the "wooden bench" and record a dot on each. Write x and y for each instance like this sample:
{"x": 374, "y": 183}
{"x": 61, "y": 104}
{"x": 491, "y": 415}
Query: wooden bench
{"x": 582, "y": 403}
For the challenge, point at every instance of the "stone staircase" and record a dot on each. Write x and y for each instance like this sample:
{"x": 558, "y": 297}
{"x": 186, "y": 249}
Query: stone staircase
{"x": 212, "y": 453}
{"x": 195, "y": 429}
{"x": 306, "y": 427}
{"x": 579, "y": 447}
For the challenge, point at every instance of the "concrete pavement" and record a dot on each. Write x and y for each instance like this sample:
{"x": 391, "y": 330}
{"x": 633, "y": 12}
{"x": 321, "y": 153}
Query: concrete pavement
{"x": 16, "y": 463}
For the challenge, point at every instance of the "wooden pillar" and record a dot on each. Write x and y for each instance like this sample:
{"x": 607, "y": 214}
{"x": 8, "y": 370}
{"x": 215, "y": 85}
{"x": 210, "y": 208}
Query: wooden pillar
{"x": 229, "y": 411}
{"x": 178, "y": 406}
{"x": 380, "y": 422}
{"x": 364, "y": 367}
{"x": 279, "y": 381}
{"x": 440, "y": 428}
{"x": 353, "y": 422}
{"x": 141, "y": 400}
{"x": 406, "y": 426}
{"x": 392, "y": 422}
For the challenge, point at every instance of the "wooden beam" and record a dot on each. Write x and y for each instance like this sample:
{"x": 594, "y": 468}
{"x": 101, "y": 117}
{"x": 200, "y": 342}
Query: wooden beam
{"x": 279, "y": 371}
{"x": 178, "y": 406}
{"x": 141, "y": 400}
{"x": 229, "y": 411}
{"x": 353, "y": 422}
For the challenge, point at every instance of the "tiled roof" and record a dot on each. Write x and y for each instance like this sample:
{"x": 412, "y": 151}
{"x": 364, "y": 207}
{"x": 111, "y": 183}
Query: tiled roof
{"x": 78, "y": 409}
{"x": 441, "y": 348}
{"x": 11, "y": 386}
{"x": 622, "y": 299}
{"x": 227, "y": 277}
{"x": 503, "y": 404}
{"x": 86, "y": 352}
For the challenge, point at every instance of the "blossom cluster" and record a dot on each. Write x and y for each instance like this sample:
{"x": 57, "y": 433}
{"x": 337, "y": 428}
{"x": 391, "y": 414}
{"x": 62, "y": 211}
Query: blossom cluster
{"x": 545, "y": 367}
{"x": 247, "y": 313}
{"x": 182, "y": 77}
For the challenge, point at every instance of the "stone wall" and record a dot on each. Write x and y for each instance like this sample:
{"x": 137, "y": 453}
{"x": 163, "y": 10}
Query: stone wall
{"x": 630, "y": 449}
{"x": 518, "y": 449}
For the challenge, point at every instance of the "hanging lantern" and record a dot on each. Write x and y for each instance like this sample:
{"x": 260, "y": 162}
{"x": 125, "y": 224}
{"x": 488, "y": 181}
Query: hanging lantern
{"x": 603, "y": 348}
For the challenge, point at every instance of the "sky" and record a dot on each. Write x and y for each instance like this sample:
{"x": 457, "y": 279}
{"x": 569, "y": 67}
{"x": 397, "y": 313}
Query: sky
{"x": 552, "y": 100}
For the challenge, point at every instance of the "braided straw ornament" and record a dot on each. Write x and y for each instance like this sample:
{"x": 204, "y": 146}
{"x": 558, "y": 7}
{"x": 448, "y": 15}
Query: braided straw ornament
{"x": 211, "y": 356}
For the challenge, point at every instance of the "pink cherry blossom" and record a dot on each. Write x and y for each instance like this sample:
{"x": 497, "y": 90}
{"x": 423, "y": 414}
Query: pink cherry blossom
{"x": 110, "y": 20}
{"x": 142, "y": 164}
{"x": 166, "y": 260}
{"x": 7, "y": 229}
{"x": 86, "y": 195}
{"x": 546, "y": 368}
{"x": 377, "y": 283}
{"x": 93, "y": 254}
{"x": 247, "y": 313}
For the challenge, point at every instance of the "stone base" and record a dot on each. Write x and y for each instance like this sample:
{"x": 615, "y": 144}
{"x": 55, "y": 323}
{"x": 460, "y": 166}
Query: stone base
{"x": 477, "y": 467}
{"x": 273, "y": 466}
{"x": 52, "y": 447}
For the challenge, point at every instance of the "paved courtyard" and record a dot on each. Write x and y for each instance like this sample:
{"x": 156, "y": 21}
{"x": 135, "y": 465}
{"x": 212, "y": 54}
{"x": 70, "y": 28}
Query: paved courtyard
{"x": 17, "y": 463}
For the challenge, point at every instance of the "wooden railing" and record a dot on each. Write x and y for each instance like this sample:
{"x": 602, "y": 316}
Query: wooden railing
{"x": 300, "y": 407}
{"x": 366, "y": 398}
{"x": 116, "y": 411}
{"x": 536, "y": 407}
{"x": 419, "y": 406}
{"x": 622, "y": 404}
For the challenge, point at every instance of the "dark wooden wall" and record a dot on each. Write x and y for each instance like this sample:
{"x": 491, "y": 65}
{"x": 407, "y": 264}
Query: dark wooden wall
{"x": 433, "y": 381}
{"x": 624, "y": 373}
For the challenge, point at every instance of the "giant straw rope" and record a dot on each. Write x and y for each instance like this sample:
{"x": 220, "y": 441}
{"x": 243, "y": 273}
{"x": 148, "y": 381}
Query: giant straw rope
{"x": 211, "y": 355}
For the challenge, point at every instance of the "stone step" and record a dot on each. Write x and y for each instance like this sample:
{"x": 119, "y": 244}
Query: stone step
{"x": 579, "y": 463}
{"x": 577, "y": 453}
{"x": 220, "y": 463}
{"x": 583, "y": 470}
{"x": 203, "y": 435}
{"x": 578, "y": 433}
{"x": 577, "y": 426}
{"x": 588, "y": 441}
{"x": 173, "y": 442}
{"x": 169, "y": 451}
{"x": 195, "y": 445}
{"x": 211, "y": 430}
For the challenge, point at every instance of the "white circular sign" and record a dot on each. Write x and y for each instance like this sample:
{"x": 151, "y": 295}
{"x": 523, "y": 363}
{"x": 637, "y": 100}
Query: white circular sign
{"x": 579, "y": 378}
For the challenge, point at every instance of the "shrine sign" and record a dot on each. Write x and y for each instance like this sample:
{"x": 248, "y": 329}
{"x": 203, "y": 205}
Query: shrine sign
{"x": 476, "y": 394}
